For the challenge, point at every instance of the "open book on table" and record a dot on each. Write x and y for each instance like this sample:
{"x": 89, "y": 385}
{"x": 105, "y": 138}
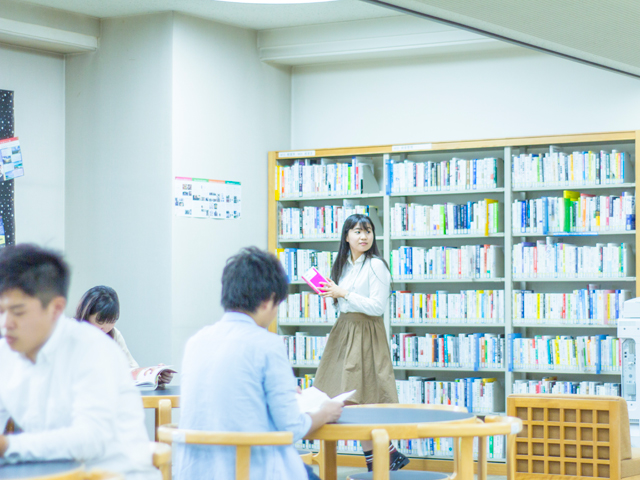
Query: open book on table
{"x": 147, "y": 378}
{"x": 311, "y": 399}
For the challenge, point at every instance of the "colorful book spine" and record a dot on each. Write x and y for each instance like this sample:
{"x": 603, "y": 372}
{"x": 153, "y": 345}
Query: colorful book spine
{"x": 468, "y": 306}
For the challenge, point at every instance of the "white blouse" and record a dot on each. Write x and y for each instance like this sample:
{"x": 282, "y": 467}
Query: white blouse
{"x": 117, "y": 336}
{"x": 368, "y": 285}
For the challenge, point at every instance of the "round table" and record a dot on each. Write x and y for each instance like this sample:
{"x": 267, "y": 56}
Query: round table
{"x": 55, "y": 470}
{"x": 357, "y": 422}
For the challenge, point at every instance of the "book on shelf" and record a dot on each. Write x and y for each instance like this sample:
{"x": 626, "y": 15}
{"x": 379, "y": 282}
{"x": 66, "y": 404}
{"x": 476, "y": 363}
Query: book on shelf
{"x": 464, "y": 350}
{"x": 594, "y": 353}
{"x": 442, "y": 307}
{"x": 306, "y": 381}
{"x": 448, "y": 175}
{"x": 548, "y": 259}
{"x": 553, "y": 385}
{"x": 482, "y": 217}
{"x": 305, "y": 349}
{"x": 479, "y": 395}
{"x": 587, "y": 306}
{"x": 465, "y": 262}
{"x": 321, "y": 222}
{"x": 574, "y": 213}
{"x": 325, "y": 177}
{"x": 307, "y": 307}
{"x": 296, "y": 261}
{"x": 574, "y": 169}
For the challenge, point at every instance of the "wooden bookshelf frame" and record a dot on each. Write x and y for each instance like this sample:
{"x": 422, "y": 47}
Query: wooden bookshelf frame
{"x": 577, "y": 140}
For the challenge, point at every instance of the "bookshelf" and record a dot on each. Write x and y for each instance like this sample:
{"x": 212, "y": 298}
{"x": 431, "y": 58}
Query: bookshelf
{"x": 511, "y": 186}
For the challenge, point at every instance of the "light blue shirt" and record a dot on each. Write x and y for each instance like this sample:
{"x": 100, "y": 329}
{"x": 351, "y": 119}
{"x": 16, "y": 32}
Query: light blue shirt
{"x": 236, "y": 377}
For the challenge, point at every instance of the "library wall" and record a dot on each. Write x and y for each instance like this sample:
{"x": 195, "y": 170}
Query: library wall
{"x": 37, "y": 78}
{"x": 118, "y": 179}
{"x": 467, "y": 96}
{"x": 229, "y": 110}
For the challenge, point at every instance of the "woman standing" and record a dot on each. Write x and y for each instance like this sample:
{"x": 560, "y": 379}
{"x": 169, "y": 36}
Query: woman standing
{"x": 357, "y": 355}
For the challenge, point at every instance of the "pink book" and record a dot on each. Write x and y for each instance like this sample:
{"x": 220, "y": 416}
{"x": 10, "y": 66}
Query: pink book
{"x": 314, "y": 279}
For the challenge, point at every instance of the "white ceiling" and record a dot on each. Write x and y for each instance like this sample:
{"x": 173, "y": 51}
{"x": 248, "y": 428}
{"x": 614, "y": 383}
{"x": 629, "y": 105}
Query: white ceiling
{"x": 253, "y": 16}
{"x": 600, "y": 32}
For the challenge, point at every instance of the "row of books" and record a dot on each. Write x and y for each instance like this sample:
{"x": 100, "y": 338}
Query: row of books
{"x": 473, "y": 218}
{"x": 454, "y": 174}
{"x": 574, "y": 169}
{"x": 304, "y": 349}
{"x": 468, "y": 261}
{"x": 468, "y": 306}
{"x": 581, "y": 307}
{"x": 307, "y": 307}
{"x": 443, "y": 447}
{"x": 296, "y": 261}
{"x": 479, "y": 395}
{"x": 553, "y": 385}
{"x": 595, "y": 353}
{"x": 313, "y": 178}
{"x": 320, "y": 222}
{"x": 464, "y": 350}
{"x": 547, "y": 259}
{"x": 424, "y": 447}
{"x": 574, "y": 213}
{"x": 306, "y": 381}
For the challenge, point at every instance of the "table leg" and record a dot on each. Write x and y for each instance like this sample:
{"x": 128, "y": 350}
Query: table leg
{"x": 157, "y": 422}
{"x": 329, "y": 457}
{"x": 466, "y": 458}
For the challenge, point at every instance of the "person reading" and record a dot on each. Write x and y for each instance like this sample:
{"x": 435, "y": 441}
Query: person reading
{"x": 100, "y": 307}
{"x": 236, "y": 376}
{"x": 65, "y": 384}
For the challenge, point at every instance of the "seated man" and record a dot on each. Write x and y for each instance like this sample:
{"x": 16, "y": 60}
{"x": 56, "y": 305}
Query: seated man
{"x": 65, "y": 384}
{"x": 236, "y": 377}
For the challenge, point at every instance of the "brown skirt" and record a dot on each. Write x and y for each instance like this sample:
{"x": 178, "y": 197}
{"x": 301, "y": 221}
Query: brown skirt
{"x": 357, "y": 357}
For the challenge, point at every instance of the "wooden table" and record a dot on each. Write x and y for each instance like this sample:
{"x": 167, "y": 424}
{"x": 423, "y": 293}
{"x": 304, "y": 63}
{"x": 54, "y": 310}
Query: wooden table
{"x": 356, "y": 423}
{"x": 151, "y": 399}
{"x": 55, "y": 470}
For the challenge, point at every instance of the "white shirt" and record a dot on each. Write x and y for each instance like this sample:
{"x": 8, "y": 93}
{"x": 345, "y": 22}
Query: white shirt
{"x": 236, "y": 377}
{"x": 77, "y": 401}
{"x": 368, "y": 283}
{"x": 117, "y": 336}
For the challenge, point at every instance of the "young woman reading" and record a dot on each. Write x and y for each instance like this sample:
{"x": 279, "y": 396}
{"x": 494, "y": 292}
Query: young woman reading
{"x": 357, "y": 355}
{"x": 100, "y": 307}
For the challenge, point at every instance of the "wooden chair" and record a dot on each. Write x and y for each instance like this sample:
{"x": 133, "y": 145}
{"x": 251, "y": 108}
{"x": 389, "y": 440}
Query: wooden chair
{"x": 161, "y": 458}
{"x": 381, "y": 448}
{"x": 243, "y": 441}
{"x": 573, "y": 437}
{"x": 463, "y": 435}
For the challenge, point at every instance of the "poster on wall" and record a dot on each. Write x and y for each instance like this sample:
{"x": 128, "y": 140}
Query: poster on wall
{"x": 206, "y": 198}
{"x": 11, "y": 156}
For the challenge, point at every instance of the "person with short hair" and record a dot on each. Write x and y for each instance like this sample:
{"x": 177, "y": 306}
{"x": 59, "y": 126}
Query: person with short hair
{"x": 63, "y": 382}
{"x": 100, "y": 307}
{"x": 236, "y": 377}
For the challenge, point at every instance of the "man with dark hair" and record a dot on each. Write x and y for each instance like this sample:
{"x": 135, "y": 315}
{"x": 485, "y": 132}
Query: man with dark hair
{"x": 64, "y": 383}
{"x": 236, "y": 377}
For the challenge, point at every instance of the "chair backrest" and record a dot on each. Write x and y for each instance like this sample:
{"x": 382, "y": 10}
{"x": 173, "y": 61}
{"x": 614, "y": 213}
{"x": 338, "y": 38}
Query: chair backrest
{"x": 161, "y": 458}
{"x": 164, "y": 412}
{"x": 581, "y": 436}
{"x": 243, "y": 441}
{"x": 463, "y": 452}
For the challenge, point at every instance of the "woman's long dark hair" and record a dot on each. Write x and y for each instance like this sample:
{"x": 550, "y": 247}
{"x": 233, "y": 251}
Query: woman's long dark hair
{"x": 100, "y": 300}
{"x": 344, "y": 250}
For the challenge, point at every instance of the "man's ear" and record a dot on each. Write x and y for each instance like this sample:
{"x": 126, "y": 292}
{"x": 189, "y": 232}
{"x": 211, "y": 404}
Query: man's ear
{"x": 57, "y": 305}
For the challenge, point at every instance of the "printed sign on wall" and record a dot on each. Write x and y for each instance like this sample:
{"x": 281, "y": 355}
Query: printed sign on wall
{"x": 205, "y": 198}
